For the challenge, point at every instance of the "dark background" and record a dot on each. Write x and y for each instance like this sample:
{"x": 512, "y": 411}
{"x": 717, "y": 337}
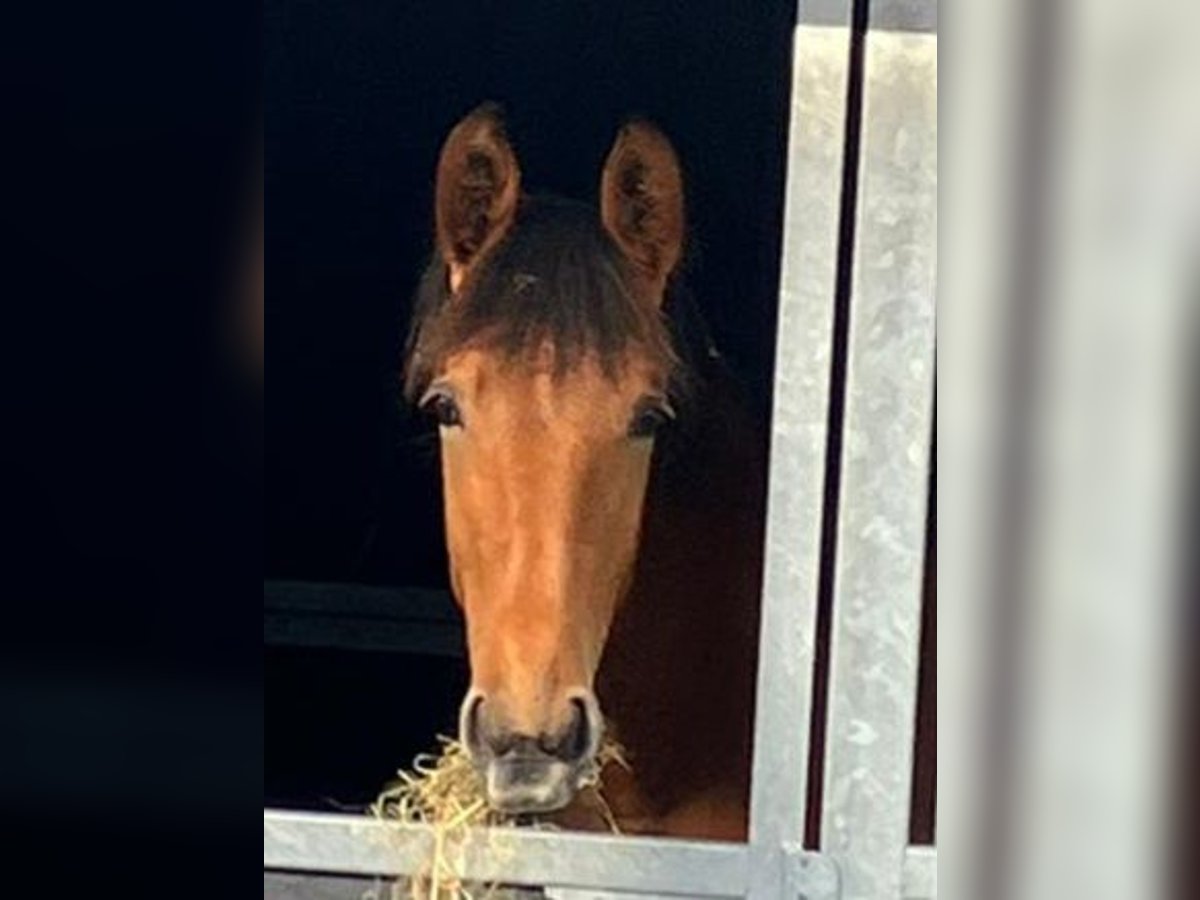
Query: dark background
{"x": 359, "y": 97}
{"x": 130, "y": 449}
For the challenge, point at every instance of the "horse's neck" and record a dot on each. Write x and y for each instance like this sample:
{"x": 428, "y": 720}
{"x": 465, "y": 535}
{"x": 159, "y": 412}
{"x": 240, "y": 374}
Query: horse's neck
{"x": 678, "y": 675}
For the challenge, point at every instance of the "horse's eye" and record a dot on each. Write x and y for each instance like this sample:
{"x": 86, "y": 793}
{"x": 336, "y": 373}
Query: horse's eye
{"x": 649, "y": 418}
{"x": 444, "y": 410}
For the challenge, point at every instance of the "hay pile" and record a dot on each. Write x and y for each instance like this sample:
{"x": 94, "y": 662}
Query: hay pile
{"x": 447, "y": 793}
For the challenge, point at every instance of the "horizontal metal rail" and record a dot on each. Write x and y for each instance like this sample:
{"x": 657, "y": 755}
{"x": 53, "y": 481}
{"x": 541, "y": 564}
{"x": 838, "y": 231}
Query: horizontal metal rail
{"x": 306, "y": 856}
{"x": 357, "y": 845}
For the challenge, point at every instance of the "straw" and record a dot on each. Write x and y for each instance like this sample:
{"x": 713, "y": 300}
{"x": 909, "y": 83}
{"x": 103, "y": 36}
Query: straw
{"x": 447, "y": 793}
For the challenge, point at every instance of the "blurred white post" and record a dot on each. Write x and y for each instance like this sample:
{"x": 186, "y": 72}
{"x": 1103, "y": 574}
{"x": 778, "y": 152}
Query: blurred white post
{"x": 1095, "y": 655}
{"x": 979, "y": 124}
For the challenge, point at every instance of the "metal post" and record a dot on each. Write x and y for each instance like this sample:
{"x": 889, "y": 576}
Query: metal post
{"x": 809, "y": 273}
{"x": 886, "y": 449}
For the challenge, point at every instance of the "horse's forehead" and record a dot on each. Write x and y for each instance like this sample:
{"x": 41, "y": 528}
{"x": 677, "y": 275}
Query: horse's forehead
{"x": 537, "y": 378}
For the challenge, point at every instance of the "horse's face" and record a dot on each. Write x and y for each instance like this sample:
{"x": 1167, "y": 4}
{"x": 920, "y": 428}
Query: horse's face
{"x": 544, "y": 472}
{"x": 544, "y": 478}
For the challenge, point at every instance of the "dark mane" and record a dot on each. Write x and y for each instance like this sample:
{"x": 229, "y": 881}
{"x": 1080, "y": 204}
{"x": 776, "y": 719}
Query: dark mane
{"x": 556, "y": 277}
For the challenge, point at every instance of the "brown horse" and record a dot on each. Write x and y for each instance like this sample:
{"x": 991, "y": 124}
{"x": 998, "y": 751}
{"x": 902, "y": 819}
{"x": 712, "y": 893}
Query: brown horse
{"x": 603, "y": 489}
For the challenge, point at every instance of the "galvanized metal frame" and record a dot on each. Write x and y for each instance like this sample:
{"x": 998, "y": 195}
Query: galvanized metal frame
{"x": 880, "y": 536}
{"x": 882, "y": 511}
{"x": 357, "y": 845}
{"x": 919, "y": 879}
{"x": 804, "y": 349}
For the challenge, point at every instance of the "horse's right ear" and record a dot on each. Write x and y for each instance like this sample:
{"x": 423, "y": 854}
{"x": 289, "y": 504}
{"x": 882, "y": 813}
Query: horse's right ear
{"x": 478, "y": 188}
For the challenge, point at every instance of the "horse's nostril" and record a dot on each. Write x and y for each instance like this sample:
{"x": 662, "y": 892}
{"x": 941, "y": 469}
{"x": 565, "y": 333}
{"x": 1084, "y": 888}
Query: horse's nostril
{"x": 480, "y": 731}
{"x": 472, "y": 735}
{"x": 575, "y": 742}
{"x": 579, "y": 735}
{"x": 487, "y": 735}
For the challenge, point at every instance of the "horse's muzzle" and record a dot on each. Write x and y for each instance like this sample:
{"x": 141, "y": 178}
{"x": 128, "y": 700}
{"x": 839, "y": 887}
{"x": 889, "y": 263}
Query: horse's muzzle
{"x": 526, "y": 774}
{"x": 519, "y": 785}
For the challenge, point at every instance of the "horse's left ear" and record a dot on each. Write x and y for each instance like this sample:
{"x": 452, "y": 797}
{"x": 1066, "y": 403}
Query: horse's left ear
{"x": 641, "y": 202}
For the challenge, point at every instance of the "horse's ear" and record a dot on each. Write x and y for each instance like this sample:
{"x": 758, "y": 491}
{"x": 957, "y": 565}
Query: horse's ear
{"x": 478, "y": 187}
{"x": 641, "y": 202}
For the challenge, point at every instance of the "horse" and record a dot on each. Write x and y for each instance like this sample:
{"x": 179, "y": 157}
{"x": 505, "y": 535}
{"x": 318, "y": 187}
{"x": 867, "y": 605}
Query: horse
{"x": 603, "y": 487}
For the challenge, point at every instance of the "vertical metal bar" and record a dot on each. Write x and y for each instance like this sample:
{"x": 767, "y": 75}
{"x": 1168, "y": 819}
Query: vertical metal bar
{"x": 920, "y": 874}
{"x": 974, "y": 316}
{"x": 883, "y": 504}
{"x": 803, "y": 347}
{"x": 1092, "y": 691}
